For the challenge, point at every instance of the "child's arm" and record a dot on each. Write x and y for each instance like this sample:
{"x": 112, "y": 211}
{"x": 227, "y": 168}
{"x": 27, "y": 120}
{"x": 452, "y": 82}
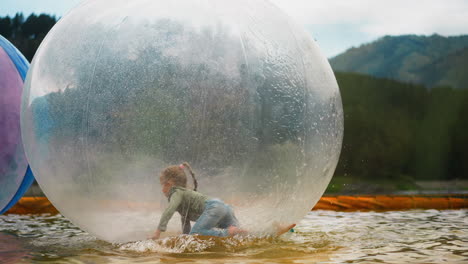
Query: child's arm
{"x": 176, "y": 199}
{"x": 185, "y": 225}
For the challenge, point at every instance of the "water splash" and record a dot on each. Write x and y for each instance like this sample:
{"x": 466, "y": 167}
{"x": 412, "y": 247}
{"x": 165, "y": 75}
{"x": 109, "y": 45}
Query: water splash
{"x": 195, "y": 243}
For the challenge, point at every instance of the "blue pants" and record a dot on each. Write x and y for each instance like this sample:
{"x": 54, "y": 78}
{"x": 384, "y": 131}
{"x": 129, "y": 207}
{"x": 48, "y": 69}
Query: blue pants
{"x": 215, "y": 219}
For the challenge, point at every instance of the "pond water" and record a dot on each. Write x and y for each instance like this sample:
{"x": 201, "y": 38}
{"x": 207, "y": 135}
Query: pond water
{"x": 418, "y": 236}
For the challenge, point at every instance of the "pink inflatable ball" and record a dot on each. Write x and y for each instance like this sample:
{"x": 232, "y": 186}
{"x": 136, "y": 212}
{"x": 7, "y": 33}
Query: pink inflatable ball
{"x": 15, "y": 178}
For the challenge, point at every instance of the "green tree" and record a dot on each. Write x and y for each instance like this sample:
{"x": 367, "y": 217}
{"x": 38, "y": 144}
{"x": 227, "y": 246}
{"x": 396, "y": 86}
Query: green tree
{"x": 5, "y": 27}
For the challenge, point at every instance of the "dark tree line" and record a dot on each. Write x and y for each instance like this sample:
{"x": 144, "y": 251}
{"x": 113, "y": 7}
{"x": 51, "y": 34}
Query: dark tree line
{"x": 397, "y": 130}
{"x": 26, "y": 33}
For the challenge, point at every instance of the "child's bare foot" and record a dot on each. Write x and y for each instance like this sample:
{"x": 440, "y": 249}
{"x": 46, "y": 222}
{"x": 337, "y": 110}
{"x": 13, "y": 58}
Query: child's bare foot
{"x": 234, "y": 230}
{"x": 281, "y": 228}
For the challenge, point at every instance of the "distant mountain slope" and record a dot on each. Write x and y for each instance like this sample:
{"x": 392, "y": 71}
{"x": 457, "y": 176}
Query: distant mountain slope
{"x": 451, "y": 70}
{"x": 430, "y": 60}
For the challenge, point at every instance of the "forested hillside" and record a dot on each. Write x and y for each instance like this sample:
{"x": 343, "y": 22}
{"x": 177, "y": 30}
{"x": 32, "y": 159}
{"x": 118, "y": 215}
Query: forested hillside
{"x": 402, "y": 132}
{"x": 430, "y": 60}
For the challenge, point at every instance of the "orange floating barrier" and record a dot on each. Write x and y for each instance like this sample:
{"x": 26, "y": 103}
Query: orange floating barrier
{"x": 41, "y": 205}
{"x": 33, "y": 205}
{"x": 457, "y": 203}
{"x": 391, "y": 202}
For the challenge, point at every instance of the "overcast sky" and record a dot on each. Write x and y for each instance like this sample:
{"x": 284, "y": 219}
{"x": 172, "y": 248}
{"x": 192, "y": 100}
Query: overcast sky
{"x": 336, "y": 24}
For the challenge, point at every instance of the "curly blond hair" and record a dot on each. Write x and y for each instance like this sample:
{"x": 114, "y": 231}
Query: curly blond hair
{"x": 177, "y": 174}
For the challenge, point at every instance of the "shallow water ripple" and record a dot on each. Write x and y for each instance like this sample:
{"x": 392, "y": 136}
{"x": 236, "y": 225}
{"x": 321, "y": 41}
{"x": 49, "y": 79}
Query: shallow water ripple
{"x": 419, "y": 236}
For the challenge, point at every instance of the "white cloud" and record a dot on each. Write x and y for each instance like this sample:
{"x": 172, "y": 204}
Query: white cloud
{"x": 336, "y": 24}
{"x": 382, "y": 17}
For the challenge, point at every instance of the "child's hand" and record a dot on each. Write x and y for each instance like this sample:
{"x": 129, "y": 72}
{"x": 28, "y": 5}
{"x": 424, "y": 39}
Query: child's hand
{"x": 157, "y": 234}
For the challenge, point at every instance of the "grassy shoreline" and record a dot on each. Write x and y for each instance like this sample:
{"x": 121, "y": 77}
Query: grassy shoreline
{"x": 350, "y": 186}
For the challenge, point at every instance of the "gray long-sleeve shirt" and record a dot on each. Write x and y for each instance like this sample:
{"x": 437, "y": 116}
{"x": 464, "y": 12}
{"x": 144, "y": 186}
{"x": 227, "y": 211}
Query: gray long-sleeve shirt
{"x": 190, "y": 205}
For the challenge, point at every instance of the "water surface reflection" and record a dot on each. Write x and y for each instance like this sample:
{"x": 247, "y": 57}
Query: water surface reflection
{"x": 419, "y": 236}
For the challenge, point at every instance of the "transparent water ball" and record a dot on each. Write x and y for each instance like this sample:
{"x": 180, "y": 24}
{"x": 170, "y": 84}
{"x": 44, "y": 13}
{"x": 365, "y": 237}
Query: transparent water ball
{"x": 15, "y": 178}
{"x": 119, "y": 90}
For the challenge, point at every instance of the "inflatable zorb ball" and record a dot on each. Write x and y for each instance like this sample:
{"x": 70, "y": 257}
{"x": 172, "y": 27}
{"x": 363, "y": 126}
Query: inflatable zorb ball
{"x": 15, "y": 177}
{"x": 118, "y": 90}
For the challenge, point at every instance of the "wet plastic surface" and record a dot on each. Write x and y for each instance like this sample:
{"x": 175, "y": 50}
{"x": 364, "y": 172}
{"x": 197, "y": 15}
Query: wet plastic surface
{"x": 119, "y": 91}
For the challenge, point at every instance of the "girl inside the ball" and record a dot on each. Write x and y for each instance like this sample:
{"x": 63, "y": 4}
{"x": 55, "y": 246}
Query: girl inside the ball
{"x": 212, "y": 216}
